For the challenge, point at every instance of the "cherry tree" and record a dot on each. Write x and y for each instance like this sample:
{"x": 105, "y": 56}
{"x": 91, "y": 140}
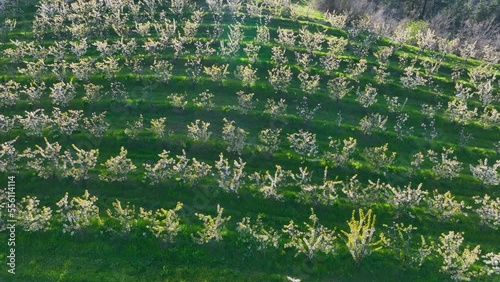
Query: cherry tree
{"x": 198, "y": 130}
{"x": 411, "y": 78}
{"x": 135, "y": 128}
{"x": 270, "y": 139}
{"x": 92, "y": 92}
{"x": 178, "y": 100}
{"x": 157, "y": 127}
{"x": 355, "y": 70}
{"x": 256, "y": 233}
{"x": 400, "y": 240}
{"x": 338, "y": 88}
{"x": 262, "y": 36}
{"x": 309, "y": 83}
{"x": 163, "y": 224}
{"x": 458, "y": 112}
{"x": 109, "y": 67}
{"x": 490, "y": 117}
{"x": 9, "y": 93}
{"x": 34, "y": 92}
{"x": 405, "y": 198}
{"x": 360, "y": 239}
{"x": 252, "y": 52}
{"x": 35, "y": 71}
{"x": 245, "y": 102}
{"x": 367, "y": 97}
{"x": 311, "y": 41}
{"x": 457, "y": 261}
{"x": 304, "y": 143}
{"x": 361, "y": 195}
{"x": 325, "y": 193}
{"x": 217, "y": 73}
{"x": 205, "y": 100}
{"x": 310, "y": 239}
{"x": 400, "y": 129}
{"x": 278, "y": 56}
{"x": 429, "y": 111}
{"x": 254, "y": 8}
{"x": 234, "y": 137}
{"x": 190, "y": 171}
{"x": 66, "y": 122}
{"x": 31, "y": 217}
{"x": 444, "y": 206}
{"x": 488, "y": 175}
{"x": 159, "y": 172}
{"x": 368, "y": 124}
{"x": 9, "y": 156}
{"x": 378, "y": 158}
{"x": 78, "y": 167}
{"x": 393, "y": 104}
{"x": 47, "y": 162}
{"x": 246, "y": 74}
{"x": 275, "y": 108}
{"x": 286, "y": 37}
{"x": 121, "y": 219}
{"x": 6, "y": 124}
{"x": 34, "y": 122}
{"x": 62, "y": 93}
{"x": 280, "y": 78}
{"x": 162, "y": 70}
{"x": 488, "y": 211}
{"x": 492, "y": 263}
{"x": 78, "y": 213}
{"x": 96, "y": 124}
{"x": 212, "y": 227}
{"x": 305, "y": 111}
{"x": 269, "y": 183}
{"x": 117, "y": 168}
{"x": 230, "y": 178}
{"x": 342, "y": 151}
{"x": 446, "y": 166}
{"x": 336, "y": 20}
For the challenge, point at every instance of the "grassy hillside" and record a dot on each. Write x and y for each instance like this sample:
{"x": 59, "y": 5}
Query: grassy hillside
{"x": 133, "y": 90}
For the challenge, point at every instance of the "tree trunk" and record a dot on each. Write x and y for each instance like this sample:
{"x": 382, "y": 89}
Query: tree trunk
{"x": 422, "y": 13}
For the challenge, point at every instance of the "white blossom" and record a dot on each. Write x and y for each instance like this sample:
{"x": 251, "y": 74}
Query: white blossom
{"x": 157, "y": 127}
{"x": 304, "y": 143}
{"x": 198, "y": 130}
{"x": 457, "y": 262}
{"x": 444, "y": 206}
{"x": 256, "y": 233}
{"x": 78, "y": 167}
{"x": 31, "y": 217}
{"x": 66, "y": 122}
{"x": 311, "y": 239}
{"x": 489, "y": 211}
{"x": 9, "y": 156}
{"x": 164, "y": 224}
{"x": 96, "y": 124}
{"x": 212, "y": 227}
{"x": 234, "y": 137}
{"x": 342, "y": 151}
{"x": 122, "y": 218}
{"x": 268, "y": 183}
{"x": 135, "y": 128}
{"x": 62, "y": 93}
{"x": 78, "y": 213}
{"x": 270, "y": 139}
{"x": 360, "y": 240}
{"x": 230, "y": 178}
{"x": 117, "y": 168}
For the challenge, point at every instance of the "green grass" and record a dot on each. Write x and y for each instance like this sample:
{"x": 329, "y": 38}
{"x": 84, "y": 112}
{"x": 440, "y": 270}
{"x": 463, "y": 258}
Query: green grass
{"x": 97, "y": 256}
